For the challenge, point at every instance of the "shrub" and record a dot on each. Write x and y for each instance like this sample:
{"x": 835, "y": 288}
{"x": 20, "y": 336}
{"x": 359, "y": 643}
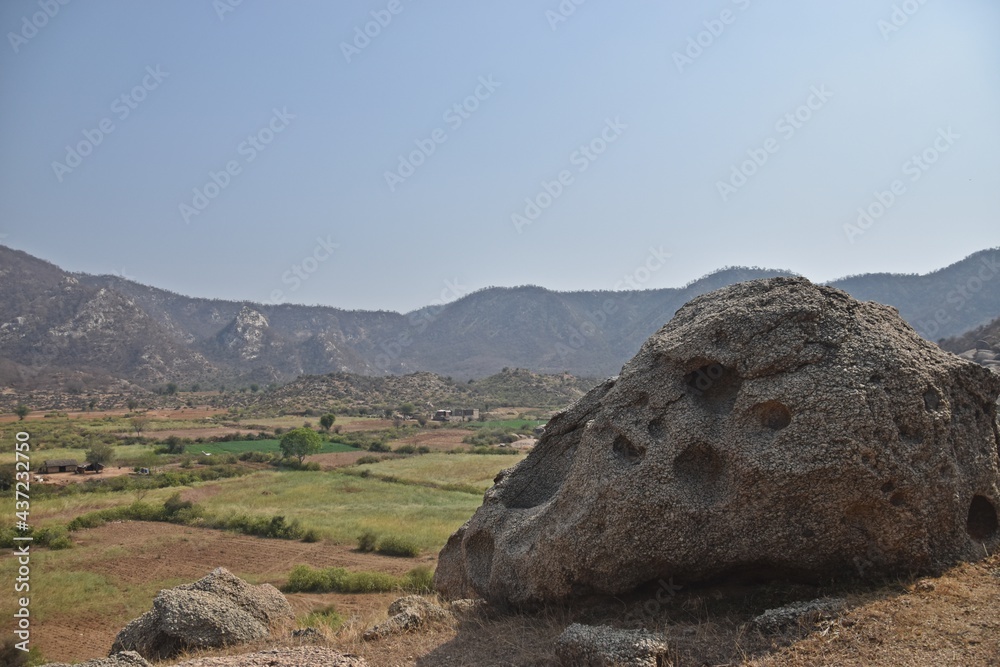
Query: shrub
{"x": 11, "y": 656}
{"x": 55, "y": 537}
{"x": 173, "y": 505}
{"x": 419, "y": 580}
{"x": 367, "y": 541}
{"x": 327, "y": 616}
{"x": 406, "y": 449}
{"x": 304, "y": 579}
{"x": 500, "y": 451}
{"x": 365, "y": 460}
{"x": 392, "y": 545}
{"x": 379, "y": 447}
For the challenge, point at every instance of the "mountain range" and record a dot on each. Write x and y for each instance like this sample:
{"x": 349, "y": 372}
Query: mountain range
{"x": 59, "y": 328}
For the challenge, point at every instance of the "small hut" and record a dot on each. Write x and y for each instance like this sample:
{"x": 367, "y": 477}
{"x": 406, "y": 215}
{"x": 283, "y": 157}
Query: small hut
{"x": 58, "y": 465}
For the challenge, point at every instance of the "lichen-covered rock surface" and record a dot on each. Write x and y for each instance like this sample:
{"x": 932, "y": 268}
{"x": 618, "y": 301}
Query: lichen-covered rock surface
{"x": 771, "y": 428}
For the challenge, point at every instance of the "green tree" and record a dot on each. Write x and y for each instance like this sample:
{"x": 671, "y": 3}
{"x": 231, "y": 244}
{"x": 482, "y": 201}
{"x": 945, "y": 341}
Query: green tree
{"x": 407, "y": 409}
{"x": 174, "y": 445}
{"x": 300, "y": 443}
{"x": 139, "y": 424}
{"x": 326, "y": 421}
{"x": 254, "y": 388}
{"x": 171, "y": 388}
{"x": 22, "y": 411}
{"x": 100, "y": 452}
{"x": 132, "y": 404}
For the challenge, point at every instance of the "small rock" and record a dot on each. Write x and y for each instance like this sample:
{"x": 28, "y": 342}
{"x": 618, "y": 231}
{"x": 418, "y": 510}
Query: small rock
{"x": 925, "y": 585}
{"x": 406, "y": 614}
{"x": 602, "y": 646}
{"x": 775, "y": 620}
{"x": 123, "y": 659}
{"x": 219, "y": 610}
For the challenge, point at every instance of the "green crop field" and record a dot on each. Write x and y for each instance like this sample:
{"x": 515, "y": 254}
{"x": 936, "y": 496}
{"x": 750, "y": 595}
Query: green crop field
{"x": 239, "y": 446}
{"x": 465, "y": 469}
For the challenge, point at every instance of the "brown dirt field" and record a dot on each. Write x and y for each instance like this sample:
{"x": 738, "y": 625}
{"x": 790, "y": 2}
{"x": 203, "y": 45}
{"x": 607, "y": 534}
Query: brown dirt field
{"x": 65, "y": 478}
{"x": 439, "y": 439}
{"x": 160, "y": 552}
{"x": 207, "y": 432}
{"x": 335, "y": 459}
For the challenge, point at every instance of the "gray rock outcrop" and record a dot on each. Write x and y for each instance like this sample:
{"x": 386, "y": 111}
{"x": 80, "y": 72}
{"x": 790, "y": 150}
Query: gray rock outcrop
{"x": 219, "y": 610}
{"x": 406, "y": 614}
{"x": 123, "y": 659}
{"x": 773, "y": 428}
{"x": 796, "y": 613}
{"x": 603, "y": 646}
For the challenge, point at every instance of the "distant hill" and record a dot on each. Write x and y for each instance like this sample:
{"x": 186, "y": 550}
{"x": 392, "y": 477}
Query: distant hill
{"x": 58, "y": 328}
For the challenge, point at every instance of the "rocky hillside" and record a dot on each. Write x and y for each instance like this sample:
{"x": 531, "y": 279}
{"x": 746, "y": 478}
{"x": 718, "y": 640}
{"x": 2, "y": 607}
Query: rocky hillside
{"x": 58, "y": 328}
{"x": 988, "y": 334}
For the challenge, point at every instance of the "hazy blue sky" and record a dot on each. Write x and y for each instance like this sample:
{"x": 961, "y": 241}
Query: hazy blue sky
{"x": 665, "y": 120}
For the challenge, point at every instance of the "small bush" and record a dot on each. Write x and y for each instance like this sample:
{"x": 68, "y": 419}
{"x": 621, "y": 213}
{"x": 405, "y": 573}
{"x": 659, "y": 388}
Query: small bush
{"x": 367, "y": 541}
{"x": 419, "y": 580}
{"x": 11, "y": 656}
{"x": 304, "y": 579}
{"x": 327, "y": 616}
{"x": 406, "y": 449}
{"x": 392, "y": 545}
{"x": 379, "y": 447}
{"x": 367, "y": 459}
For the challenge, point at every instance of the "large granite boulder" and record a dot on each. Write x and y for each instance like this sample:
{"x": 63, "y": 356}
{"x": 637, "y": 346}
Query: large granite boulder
{"x": 771, "y": 428}
{"x": 218, "y": 610}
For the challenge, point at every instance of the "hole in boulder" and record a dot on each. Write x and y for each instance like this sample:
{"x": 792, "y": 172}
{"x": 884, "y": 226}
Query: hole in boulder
{"x": 897, "y": 499}
{"x": 627, "y": 450}
{"x": 656, "y": 429}
{"x": 982, "y": 522}
{"x": 932, "y": 399}
{"x": 773, "y": 415}
{"x": 888, "y": 487}
{"x": 715, "y": 384}
{"x": 699, "y": 464}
